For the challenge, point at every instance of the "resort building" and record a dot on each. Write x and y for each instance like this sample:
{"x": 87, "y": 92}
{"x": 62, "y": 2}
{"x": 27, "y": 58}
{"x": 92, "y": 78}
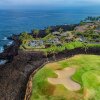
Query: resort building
{"x": 36, "y": 43}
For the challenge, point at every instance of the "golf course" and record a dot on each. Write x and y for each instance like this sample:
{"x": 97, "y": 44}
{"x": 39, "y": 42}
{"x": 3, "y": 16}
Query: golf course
{"x": 75, "y": 78}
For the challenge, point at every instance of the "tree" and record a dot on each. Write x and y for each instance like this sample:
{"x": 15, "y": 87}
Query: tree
{"x": 63, "y": 39}
{"x": 25, "y": 36}
{"x": 60, "y": 48}
{"x": 85, "y": 47}
{"x": 48, "y": 30}
{"x": 49, "y": 36}
{"x": 46, "y": 54}
{"x": 53, "y": 50}
{"x": 36, "y": 32}
{"x": 61, "y": 30}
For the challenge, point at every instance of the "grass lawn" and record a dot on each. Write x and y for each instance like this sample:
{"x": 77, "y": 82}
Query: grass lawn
{"x": 87, "y": 75}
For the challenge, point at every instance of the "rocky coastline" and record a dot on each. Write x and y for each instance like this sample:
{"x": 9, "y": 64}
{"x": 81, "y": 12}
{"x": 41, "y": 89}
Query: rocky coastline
{"x": 12, "y": 50}
{"x": 17, "y": 72}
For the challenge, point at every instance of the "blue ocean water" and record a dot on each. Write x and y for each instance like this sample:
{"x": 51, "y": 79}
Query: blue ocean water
{"x": 16, "y": 21}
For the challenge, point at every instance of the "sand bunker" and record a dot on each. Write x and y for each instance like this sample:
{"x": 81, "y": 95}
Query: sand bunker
{"x": 64, "y": 78}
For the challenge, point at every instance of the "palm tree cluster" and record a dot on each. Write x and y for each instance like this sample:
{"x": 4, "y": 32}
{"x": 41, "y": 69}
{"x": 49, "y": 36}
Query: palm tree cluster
{"x": 35, "y": 32}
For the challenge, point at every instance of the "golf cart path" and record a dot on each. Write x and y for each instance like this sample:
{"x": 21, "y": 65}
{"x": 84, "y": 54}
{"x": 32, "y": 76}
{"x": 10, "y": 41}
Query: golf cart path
{"x": 64, "y": 78}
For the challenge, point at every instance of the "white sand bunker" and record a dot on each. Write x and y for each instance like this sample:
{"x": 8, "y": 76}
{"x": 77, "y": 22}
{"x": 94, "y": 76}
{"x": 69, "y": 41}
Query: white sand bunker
{"x": 64, "y": 78}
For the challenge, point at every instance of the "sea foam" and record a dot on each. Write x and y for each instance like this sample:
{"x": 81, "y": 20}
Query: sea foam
{"x": 4, "y": 39}
{"x": 1, "y": 49}
{"x": 10, "y": 43}
{"x": 2, "y": 62}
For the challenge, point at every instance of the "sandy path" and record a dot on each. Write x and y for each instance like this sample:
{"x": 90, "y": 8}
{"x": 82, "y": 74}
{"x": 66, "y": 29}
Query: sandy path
{"x": 64, "y": 78}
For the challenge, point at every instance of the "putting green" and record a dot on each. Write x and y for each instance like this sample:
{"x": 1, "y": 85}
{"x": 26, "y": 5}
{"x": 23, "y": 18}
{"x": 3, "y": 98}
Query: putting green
{"x": 76, "y": 78}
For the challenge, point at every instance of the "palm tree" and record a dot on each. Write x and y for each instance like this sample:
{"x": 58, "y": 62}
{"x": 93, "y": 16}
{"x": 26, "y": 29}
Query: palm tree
{"x": 48, "y": 30}
{"x": 85, "y": 47}
{"x": 62, "y": 39}
{"x": 36, "y": 32}
{"x": 46, "y": 54}
{"x": 54, "y": 51}
{"x": 61, "y": 30}
{"x": 25, "y": 36}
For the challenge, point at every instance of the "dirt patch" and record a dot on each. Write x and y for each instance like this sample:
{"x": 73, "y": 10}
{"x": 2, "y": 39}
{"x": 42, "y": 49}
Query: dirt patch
{"x": 64, "y": 78}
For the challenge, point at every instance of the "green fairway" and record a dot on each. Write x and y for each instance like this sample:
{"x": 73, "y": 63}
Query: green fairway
{"x": 87, "y": 76}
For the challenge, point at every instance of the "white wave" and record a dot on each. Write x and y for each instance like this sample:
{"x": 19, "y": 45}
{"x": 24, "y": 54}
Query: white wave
{"x": 4, "y": 39}
{"x": 2, "y": 62}
{"x": 1, "y": 49}
{"x": 10, "y": 43}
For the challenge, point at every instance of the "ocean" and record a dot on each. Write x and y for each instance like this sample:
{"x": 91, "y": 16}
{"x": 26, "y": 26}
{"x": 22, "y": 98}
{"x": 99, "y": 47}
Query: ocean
{"x": 15, "y": 21}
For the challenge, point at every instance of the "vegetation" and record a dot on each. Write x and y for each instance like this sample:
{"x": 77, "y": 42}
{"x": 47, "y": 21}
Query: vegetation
{"x": 49, "y": 36}
{"x": 87, "y": 75}
{"x": 53, "y": 49}
{"x": 36, "y": 32}
{"x": 85, "y": 36}
{"x": 60, "y": 30}
{"x": 90, "y": 18}
{"x": 82, "y": 23}
{"x": 48, "y": 30}
{"x": 25, "y": 38}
